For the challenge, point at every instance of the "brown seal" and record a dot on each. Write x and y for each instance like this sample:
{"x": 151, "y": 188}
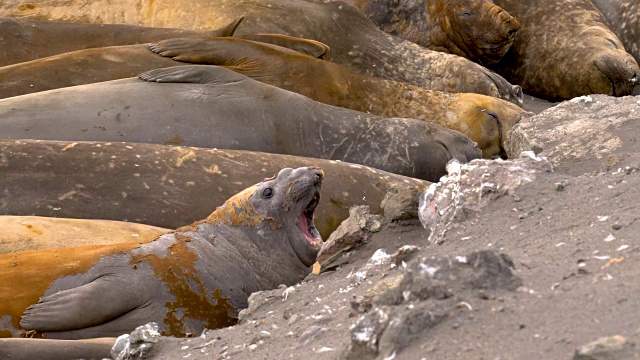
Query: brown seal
{"x": 25, "y": 40}
{"x": 197, "y": 277}
{"x": 476, "y": 29}
{"x": 624, "y": 19}
{"x": 220, "y": 108}
{"x": 23, "y": 233}
{"x": 354, "y": 40}
{"x": 565, "y": 49}
{"x": 162, "y": 185}
{"x": 484, "y": 119}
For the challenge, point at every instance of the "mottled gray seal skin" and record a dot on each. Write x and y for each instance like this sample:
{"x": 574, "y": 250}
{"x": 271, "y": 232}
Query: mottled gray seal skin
{"x": 166, "y": 186}
{"x": 196, "y": 278}
{"x": 354, "y": 40}
{"x": 476, "y": 29}
{"x": 227, "y": 110}
{"x": 623, "y": 17}
{"x": 25, "y": 40}
{"x": 565, "y": 49}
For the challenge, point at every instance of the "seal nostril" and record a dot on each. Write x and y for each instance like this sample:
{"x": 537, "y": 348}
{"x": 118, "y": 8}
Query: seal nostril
{"x": 512, "y": 33}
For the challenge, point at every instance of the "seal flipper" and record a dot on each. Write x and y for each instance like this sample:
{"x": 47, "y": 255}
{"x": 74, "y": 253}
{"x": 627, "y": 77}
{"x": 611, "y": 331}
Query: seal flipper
{"x": 309, "y": 47}
{"x": 194, "y": 74}
{"x": 95, "y": 303}
{"x": 229, "y": 29}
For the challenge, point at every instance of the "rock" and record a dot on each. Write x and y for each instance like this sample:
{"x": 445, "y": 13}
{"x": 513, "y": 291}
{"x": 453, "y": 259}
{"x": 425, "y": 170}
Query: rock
{"x": 468, "y": 187}
{"x": 608, "y": 348}
{"x": 589, "y": 134}
{"x": 399, "y": 308}
{"x": 400, "y": 203}
{"x": 136, "y": 345}
{"x": 353, "y": 232}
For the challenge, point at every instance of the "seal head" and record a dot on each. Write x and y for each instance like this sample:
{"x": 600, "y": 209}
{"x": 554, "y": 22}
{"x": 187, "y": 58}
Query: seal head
{"x": 481, "y": 30}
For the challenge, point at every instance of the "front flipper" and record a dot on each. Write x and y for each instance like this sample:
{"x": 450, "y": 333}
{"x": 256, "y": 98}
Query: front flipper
{"x": 95, "y": 303}
{"x": 306, "y": 46}
{"x": 229, "y": 52}
{"x": 194, "y": 74}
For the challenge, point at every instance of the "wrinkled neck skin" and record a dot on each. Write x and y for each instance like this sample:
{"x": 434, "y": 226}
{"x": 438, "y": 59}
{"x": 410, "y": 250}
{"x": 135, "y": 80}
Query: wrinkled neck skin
{"x": 268, "y": 254}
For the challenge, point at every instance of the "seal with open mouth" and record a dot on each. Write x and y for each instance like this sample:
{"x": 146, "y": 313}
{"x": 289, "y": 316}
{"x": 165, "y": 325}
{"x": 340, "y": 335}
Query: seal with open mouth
{"x": 197, "y": 277}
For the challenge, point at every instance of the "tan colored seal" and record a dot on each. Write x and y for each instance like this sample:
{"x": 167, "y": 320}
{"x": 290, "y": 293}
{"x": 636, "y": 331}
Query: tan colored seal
{"x": 476, "y": 29}
{"x": 23, "y": 233}
{"x": 565, "y": 49}
{"x": 354, "y": 40}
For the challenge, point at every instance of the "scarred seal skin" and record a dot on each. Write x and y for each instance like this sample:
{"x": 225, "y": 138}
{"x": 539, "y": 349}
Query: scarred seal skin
{"x": 478, "y": 30}
{"x": 25, "y": 40}
{"x": 565, "y": 49}
{"x": 226, "y": 110}
{"x": 23, "y": 233}
{"x": 195, "y": 278}
{"x": 165, "y": 186}
{"x": 483, "y": 119}
{"x": 354, "y": 40}
{"x": 623, "y": 17}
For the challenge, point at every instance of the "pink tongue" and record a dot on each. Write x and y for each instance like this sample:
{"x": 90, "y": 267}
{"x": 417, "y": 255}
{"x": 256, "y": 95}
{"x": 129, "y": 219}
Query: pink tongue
{"x": 304, "y": 227}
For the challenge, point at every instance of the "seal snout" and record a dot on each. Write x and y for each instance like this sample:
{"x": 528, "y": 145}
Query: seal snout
{"x": 621, "y": 73}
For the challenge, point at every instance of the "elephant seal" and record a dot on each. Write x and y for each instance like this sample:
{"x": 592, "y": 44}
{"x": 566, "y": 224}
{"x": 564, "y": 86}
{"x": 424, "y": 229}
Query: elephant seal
{"x": 165, "y": 185}
{"x": 25, "y": 40}
{"x": 478, "y": 30}
{"x": 354, "y": 40}
{"x": 623, "y": 17}
{"x": 23, "y": 233}
{"x": 29, "y": 349}
{"x": 112, "y": 62}
{"x": 484, "y": 119}
{"x": 195, "y": 278}
{"x": 232, "y": 111}
{"x": 565, "y": 49}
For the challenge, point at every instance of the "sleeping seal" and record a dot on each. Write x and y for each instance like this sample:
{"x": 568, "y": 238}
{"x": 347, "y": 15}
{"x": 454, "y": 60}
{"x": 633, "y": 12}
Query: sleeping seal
{"x": 25, "y": 40}
{"x": 354, "y": 40}
{"x": 165, "y": 186}
{"x": 228, "y": 110}
{"x": 565, "y": 49}
{"x": 195, "y": 278}
{"x": 476, "y": 29}
{"x": 624, "y": 19}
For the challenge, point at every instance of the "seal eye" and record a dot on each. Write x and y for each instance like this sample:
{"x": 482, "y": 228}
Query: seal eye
{"x": 465, "y": 15}
{"x": 267, "y": 193}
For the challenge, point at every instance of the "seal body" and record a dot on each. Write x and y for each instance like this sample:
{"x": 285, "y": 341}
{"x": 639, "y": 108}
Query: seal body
{"x": 99, "y": 64}
{"x": 354, "y": 40}
{"x": 565, "y": 49}
{"x": 165, "y": 186}
{"x": 25, "y": 40}
{"x": 483, "y": 119}
{"x": 194, "y": 278}
{"x": 23, "y": 233}
{"x": 623, "y": 17}
{"x": 476, "y": 29}
{"x": 231, "y": 111}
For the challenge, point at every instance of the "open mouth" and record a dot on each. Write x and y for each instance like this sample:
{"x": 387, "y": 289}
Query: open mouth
{"x": 305, "y": 221}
